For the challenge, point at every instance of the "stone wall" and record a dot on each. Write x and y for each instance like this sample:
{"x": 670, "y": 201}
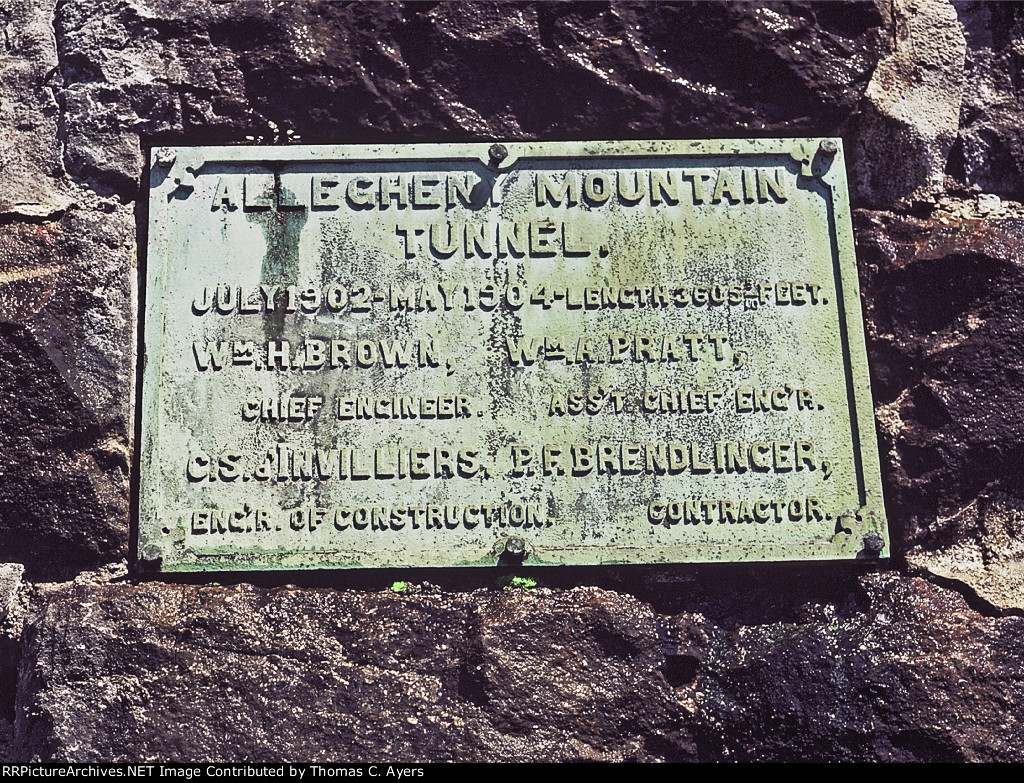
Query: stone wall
{"x": 918, "y": 659}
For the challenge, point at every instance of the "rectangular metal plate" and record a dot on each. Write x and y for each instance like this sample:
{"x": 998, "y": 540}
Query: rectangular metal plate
{"x": 431, "y": 355}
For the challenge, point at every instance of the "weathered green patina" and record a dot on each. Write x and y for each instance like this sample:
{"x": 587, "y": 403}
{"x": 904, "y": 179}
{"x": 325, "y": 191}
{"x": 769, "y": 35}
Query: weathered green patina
{"x": 560, "y": 353}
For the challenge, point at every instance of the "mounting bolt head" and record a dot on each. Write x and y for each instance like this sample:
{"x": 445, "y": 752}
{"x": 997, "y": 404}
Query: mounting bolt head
{"x": 164, "y": 158}
{"x": 498, "y": 153}
{"x": 515, "y": 546}
{"x": 828, "y": 147}
{"x": 873, "y": 543}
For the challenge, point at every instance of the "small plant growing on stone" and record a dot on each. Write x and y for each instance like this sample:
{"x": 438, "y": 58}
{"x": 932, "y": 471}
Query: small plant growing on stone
{"x": 524, "y": 583}
{"x": 402, "y": 588}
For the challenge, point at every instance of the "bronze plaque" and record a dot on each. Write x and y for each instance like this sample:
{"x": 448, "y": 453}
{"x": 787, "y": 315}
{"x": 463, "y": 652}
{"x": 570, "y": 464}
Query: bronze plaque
{"x": 568, "y": 353}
